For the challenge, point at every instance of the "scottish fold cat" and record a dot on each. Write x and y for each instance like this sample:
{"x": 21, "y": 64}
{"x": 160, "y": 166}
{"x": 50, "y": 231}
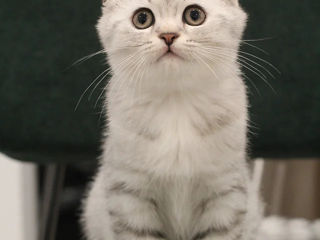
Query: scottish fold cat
{"x": 174, "y": 163}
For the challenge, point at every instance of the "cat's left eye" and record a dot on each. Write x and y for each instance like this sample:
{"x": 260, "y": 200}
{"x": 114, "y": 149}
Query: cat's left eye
{"x": 143, "y": 18}
{"x": 194, "y": 15}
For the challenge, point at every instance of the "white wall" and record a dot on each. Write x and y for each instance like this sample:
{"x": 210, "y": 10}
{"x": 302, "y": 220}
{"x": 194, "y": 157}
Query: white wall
{"x": 18, "y": 200}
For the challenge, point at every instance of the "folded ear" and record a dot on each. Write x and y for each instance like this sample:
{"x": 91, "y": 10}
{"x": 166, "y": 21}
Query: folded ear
{"x": 235, "y": 2}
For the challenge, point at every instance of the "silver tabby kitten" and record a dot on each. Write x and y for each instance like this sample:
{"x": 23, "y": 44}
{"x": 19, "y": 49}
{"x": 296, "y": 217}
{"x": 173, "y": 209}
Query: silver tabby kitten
{"x": 174, "y": 163}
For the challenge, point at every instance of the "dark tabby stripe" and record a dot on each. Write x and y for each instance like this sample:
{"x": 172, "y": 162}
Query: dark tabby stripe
{"x": 122, "y": 187}
{"x": 238, "y": 188}
{"x": 203, "y": 205}
{"x": 222, "y": 230}
{"x": 207, "y": 233}
{"x": 120, "y": 228}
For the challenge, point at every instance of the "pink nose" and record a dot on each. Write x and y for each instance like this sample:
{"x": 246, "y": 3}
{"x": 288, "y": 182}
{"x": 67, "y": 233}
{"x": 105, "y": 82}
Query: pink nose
{"x": 169, "y": 37}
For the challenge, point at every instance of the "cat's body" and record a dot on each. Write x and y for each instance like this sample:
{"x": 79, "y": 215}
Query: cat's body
{"x": 174, "y": 163}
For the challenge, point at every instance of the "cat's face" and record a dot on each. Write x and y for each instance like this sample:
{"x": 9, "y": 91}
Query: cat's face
{"x": 170, "y": 34}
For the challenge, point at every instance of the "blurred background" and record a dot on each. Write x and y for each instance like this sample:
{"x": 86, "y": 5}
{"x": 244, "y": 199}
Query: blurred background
{"x": 54, "y": 138}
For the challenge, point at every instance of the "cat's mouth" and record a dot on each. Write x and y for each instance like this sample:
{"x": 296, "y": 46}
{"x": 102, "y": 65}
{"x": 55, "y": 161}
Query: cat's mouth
{"x": 170, "y": 54}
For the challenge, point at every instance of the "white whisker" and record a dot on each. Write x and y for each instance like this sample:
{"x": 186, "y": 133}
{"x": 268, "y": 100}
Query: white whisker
{"x": 86, "y": 90}
{"x": 249, "y": 54}
{"x": 206, "y": 64}
{"x": 242, "y": 62}
{"x": 83, "y": 59}
{"x": 258, "y": 48}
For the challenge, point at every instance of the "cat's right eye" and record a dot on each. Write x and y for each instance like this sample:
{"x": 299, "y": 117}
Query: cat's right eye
{"x": 143, "y": 18}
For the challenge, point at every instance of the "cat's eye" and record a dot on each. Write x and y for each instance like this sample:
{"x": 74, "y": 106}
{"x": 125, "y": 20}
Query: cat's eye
{"x": 194, "y": 15}
{"x": 143, "y": 18}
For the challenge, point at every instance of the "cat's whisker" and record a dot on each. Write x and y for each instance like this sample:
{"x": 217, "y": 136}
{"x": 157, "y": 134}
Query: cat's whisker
{"x": 206, "y": 64}
{"x": 126, "y": 62}
{"x": 243, "y": 58}
{"x": 132, "y": 68}
{"x": 215, "y": 55}
{"x": 99, "y": 97}
{"x": 141, "y": 44}
{"x": 249, "y": 54}
{"x": 142, "y": 72}
{"x": 257, "y": 39}
{"x": 118, "y": 67}
{"x": 265, "y": 69}
{"x": 254, "y": 70}
{"x": 258, "y": 48}
{"x": 108, "y": 72}
{"x": 113, "y": 50}
{"x": 86, "y": 90}
{"x": 83, "y": 59}
{"x": 133, "y": 77}
{"x": 214, "y": 58}
{"x": 209, "y": 39}
{"x": 138, "y": 76}
{"x": 252, "y": 83}
{"x": 138, "y": 81}
{"x": 265, "y": 61}
{"x": 102, "y": 112}
{"x": 96, "y": 86}
{"x": 256, "y": 73}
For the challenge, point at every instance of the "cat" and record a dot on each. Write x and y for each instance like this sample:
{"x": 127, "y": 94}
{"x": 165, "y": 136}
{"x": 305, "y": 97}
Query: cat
{"x": 174, "y": 161}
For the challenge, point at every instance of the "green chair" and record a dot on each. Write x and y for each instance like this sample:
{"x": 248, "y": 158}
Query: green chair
{"x": 39, "y": 91}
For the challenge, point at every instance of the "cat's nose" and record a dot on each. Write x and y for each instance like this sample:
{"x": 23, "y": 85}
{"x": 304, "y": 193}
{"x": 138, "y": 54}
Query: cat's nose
{"x": 169, "y": 37}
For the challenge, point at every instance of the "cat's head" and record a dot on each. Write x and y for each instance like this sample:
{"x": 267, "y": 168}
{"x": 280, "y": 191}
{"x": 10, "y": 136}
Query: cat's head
{"x": 170, "y": 34}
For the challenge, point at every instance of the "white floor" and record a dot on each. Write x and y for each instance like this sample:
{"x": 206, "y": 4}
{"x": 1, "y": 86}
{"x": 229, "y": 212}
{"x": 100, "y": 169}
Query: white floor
{"x": 18, "y": 200}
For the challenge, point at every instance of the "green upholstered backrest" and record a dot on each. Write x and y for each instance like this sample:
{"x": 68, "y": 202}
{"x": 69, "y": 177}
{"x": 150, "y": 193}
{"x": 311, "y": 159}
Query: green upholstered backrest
{"x": 287, "y": 121}
{"x": 39, "y": 91}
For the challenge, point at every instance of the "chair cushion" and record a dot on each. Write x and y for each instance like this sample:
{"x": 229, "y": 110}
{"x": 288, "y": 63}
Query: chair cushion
{"x": 38, "y": 91}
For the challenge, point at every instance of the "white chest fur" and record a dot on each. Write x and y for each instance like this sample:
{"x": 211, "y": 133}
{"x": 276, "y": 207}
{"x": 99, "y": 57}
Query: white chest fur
{"x": 179, "y": 132}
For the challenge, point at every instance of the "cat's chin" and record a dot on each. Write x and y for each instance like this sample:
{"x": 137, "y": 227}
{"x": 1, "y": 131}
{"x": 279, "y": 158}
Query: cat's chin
{"x": 169, "y": 57}
{"x": 170, "y": 62}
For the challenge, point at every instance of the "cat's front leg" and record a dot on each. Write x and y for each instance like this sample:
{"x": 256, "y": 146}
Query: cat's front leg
{"x": 223, "y": 217}
{"x": 133, "y": 215}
